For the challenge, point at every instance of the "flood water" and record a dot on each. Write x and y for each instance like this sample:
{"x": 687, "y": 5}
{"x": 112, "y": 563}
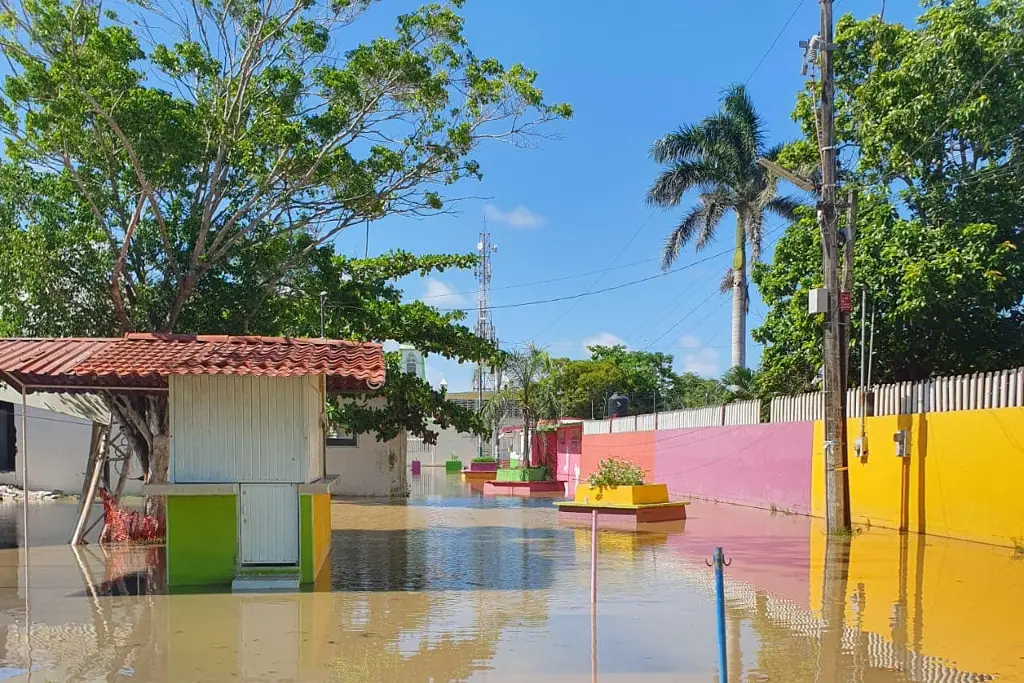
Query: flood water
{"x": 450, "y": 586}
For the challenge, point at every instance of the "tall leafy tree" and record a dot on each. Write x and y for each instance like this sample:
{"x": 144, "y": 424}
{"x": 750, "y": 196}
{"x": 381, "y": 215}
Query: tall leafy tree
{"x": 718, "y": 158}
{"x": 183, "y": 167}
{"x": 930, "y": 120}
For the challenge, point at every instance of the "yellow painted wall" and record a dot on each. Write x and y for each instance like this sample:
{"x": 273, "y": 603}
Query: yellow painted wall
{"x": 321, "y": 532}
{"x": 958, "y": 601}
{"x": 964, "y": 477}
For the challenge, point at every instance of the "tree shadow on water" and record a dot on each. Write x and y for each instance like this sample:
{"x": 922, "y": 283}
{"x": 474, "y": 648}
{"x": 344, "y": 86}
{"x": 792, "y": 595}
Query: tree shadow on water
{"x": 445, "y": 558}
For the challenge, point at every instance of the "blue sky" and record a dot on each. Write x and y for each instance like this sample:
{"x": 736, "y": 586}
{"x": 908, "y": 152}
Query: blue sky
{"x": 632, "y": 73}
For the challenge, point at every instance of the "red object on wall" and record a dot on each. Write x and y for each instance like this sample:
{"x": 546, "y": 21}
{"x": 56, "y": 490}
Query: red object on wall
{"x": 845, "y": 305}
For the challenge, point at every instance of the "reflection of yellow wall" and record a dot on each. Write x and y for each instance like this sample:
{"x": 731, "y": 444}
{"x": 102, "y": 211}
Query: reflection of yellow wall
{"x": 621, "y": 542}
{"x": 962, "y": 478}
{"x": 962, "y": 601}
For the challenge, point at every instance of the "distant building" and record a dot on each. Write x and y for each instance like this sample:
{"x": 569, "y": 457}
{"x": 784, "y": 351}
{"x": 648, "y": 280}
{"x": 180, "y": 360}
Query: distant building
{"x": 412, "y": 361}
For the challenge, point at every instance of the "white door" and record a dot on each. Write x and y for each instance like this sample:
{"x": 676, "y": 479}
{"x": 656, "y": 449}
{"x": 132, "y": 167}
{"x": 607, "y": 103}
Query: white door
{"x": 269, "y": 524}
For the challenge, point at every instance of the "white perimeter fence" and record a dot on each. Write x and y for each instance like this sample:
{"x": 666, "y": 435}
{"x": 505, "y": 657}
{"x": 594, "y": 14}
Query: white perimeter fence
{"x": 1003, "y": 389}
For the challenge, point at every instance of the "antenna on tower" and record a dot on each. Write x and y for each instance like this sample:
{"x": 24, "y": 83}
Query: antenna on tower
{"x": 485, "y": 380}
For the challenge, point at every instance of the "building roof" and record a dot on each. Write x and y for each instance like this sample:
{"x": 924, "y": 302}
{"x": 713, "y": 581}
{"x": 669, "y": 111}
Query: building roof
{"x": 144, "y": 361}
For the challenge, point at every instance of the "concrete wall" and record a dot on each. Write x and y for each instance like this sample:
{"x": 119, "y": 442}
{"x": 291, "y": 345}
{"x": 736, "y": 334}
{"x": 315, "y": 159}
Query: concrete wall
{"x": 962, "y": 478}
{"x": 370, "y": 468}
{"x": 58, "y": 447}
{"x": 761, "y": 465}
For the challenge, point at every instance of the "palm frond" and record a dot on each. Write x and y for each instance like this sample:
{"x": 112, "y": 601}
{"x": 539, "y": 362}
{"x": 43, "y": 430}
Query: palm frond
{"x": 738, "y": 105}
{"x": 682, "y": 234}
{"x": 670, "y": 186}
{"x": 784, "y": 206}
{"x": 715, "y": 205}
{"x": 679, "y": 145}
{"x": 725, "y": 286}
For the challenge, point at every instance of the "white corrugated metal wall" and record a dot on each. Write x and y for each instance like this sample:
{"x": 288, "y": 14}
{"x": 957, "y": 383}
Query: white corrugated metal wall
{"x": 315, "y": 419}
{"x": 228, "y": 428}
{"x": 269, "y": 524}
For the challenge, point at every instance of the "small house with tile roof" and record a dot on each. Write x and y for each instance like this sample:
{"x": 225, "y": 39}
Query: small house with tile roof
{"x": 248, "y": 495}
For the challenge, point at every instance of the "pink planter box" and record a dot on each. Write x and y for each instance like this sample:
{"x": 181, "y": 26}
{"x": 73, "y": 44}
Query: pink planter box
{"x": 483, "y": 467}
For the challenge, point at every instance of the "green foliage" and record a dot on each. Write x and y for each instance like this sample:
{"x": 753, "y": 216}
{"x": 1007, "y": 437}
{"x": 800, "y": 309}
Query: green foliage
{"x": 453, "y": 457}
{"x": 582, "y": 387}
{"x": 613, "y": 471}
{"x": 930, "y": 118}
{"x": 485, "y": 459}
{"x": 164, "y": 175}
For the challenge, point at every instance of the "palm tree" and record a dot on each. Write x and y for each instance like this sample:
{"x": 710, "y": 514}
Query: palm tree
{"x": 718, "y": 158}
{"x": 524, "y": 371}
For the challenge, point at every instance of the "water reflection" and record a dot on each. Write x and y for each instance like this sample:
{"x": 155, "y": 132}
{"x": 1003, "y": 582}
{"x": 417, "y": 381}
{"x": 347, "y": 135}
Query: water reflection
{"x": 452, "y": 587}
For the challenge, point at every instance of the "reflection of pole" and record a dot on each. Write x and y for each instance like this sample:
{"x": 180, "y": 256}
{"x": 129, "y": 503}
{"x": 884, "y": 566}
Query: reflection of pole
{"x": 593, "y": 644}
{"x": 723, "y": 664}
{"x": 833, "y": 605}
{"x": 593, "y": 557}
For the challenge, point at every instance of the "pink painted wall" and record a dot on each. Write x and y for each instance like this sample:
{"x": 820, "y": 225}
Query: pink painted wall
{"x": 758, "y": 465}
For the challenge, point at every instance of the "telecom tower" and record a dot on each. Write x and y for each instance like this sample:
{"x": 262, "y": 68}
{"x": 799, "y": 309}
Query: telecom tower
{"x": 484, "y": 380}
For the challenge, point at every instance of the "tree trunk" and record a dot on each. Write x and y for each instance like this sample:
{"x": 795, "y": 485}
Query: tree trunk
{"x": 739, "y": 297}
{"x": 143, "y": 420}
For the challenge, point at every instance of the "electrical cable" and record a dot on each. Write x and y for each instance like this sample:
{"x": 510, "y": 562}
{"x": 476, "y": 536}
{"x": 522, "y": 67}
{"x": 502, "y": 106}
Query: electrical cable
{"x": 601, "y": 276}
{"x": 778, "y": 36}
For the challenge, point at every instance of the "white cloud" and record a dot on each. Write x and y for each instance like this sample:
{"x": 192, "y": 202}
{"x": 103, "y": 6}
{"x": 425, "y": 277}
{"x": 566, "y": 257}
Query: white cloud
{"x": 703, "y": 362}
{"x": 602, "y": 339}
{"x": 438, "y": 293}
{"x": 689, "y": 341}
{"x": 390, "y": 346}
{"x": 519, "y": 217}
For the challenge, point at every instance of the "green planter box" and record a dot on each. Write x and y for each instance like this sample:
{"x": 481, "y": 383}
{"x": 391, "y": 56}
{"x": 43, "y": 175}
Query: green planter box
{"x": 523, "y": 474}
{"x": 452, "y": 465}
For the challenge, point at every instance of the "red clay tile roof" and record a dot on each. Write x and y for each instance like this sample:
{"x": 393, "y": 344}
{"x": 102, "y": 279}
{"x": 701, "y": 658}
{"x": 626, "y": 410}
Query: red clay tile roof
{"x": 144, "y": 361}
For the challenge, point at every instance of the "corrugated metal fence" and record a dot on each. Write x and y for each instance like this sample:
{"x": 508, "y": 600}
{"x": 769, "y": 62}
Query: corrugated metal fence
{"x": 1003, "y": 389}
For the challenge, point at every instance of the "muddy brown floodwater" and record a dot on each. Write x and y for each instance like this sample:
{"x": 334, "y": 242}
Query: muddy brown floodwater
{"x": 450, "y": 586}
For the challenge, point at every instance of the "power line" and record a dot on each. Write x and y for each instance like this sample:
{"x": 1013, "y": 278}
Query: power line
{"x": 562, "y": 278}
{"x": 775, "y": 42}
{"x": 570, "y": 297}
{"x": 601, "y": 276}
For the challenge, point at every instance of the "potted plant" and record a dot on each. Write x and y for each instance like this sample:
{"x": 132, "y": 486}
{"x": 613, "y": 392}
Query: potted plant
{"x": 453, "y": 463}
{"x": 484, "y": 464}
{"x": 618, "y": 481}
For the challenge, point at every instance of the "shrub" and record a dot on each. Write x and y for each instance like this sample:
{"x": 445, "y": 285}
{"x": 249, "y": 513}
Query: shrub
{"x": 616, "y": 472}
{"x": 453, "y": 456}
{"x": 484, "y": 459}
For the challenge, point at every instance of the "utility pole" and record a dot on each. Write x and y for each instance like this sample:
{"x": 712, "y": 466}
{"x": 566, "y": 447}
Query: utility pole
{"x": 837, "y": 489}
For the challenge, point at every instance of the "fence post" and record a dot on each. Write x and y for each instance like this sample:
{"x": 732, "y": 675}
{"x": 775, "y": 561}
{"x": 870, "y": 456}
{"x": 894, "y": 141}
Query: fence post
{"x": 723, "y": 665}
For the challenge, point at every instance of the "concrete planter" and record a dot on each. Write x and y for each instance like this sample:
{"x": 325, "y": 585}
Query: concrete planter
{"x": 453, "y": 466}
{"x": 646, "y": 494}
{"x": 523, "y": 474}
{"x": 483, "y": 467}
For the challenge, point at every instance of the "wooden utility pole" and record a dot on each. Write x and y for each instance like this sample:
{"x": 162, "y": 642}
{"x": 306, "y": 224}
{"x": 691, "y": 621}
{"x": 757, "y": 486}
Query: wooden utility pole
{"x": 837, "y": 493}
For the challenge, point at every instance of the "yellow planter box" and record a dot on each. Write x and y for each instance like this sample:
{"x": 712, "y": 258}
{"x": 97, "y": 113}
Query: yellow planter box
{"x": 646, "y": 494}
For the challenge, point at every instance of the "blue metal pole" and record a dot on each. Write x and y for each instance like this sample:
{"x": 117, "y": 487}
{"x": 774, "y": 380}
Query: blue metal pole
{"x": 723, "y": 669}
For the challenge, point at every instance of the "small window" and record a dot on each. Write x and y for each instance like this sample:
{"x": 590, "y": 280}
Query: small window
{"x": 339, "y": 437}
{"x": 410, "y": 366}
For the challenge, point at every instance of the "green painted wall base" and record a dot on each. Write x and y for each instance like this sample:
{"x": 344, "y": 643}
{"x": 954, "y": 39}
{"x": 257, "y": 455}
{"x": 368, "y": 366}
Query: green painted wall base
{"x": 202, "y": 540}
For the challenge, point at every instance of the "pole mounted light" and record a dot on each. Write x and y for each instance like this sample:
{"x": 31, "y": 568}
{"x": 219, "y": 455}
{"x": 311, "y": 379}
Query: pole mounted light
{"x": 799, "y": 181}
